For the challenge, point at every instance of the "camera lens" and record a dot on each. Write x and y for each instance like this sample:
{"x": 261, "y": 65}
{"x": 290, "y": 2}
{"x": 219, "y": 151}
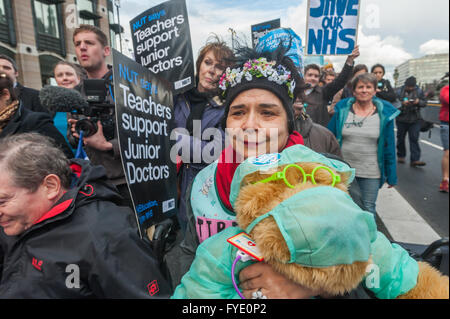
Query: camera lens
{"x": 88, "y": 127}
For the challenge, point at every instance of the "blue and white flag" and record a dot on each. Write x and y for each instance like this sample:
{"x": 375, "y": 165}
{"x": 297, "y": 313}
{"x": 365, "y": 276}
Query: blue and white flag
{"x": 81, "y": 154}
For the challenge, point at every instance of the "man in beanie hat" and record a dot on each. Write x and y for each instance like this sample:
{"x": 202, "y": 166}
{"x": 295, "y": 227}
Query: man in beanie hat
{"x": 408, "y": 122}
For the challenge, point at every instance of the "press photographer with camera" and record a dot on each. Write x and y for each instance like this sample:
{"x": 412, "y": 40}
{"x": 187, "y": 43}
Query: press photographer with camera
{"x": 100, "y": 140}
{"x": 384, "y": 88}
{"x": 408, "y": 122}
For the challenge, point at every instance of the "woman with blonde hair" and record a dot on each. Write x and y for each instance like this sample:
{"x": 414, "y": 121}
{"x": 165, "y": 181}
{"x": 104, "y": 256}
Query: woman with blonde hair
{"x": 67, "y": 75}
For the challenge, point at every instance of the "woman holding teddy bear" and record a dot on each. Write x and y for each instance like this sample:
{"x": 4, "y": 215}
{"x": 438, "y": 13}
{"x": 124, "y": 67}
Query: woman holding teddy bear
{"x": 258, "y": 95}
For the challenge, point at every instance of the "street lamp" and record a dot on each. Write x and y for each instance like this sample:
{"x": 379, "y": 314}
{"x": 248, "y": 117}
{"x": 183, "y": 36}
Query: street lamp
{"x": 233, "y": 34}
{"x": 117, "y": 4}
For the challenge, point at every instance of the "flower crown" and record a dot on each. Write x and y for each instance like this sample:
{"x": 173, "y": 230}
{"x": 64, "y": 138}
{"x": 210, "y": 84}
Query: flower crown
{"x": 258, "y": 68}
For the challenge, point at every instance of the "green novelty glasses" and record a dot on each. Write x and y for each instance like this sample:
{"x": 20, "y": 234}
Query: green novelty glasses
{"x": 296, "y": 179}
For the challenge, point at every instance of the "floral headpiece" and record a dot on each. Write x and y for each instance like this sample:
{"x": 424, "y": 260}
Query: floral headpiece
{"x": 258, "y": 68}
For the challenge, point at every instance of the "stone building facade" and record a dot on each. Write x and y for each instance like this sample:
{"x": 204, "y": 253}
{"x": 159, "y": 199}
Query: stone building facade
{"x": 38, "y": 33}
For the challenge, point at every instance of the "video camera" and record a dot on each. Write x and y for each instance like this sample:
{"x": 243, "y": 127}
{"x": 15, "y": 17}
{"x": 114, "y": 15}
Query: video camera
{"x": 92, "y": 107}
{"x": 98, "y": 109}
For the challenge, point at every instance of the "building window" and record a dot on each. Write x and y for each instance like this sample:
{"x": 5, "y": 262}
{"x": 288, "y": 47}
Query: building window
{"x": 112, "y": 21}
{"x": 48, "y": 26}
{"x": 7, "y": 32}
{"x": 87, "y": 11}
{"x": 46, "y": 19}
{"x": 3, "y": 17}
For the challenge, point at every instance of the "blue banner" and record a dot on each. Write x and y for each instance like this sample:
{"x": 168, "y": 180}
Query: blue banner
{"x": 260, "y": 30}
{"x": 332, "y": 26}
{"x": 287, "y": 37}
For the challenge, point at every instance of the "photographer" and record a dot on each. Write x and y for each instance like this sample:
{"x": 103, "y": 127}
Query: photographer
{"x": 408, "y": 122}
{"x": 91, "y": 46}
{"x": 384, "y": 88}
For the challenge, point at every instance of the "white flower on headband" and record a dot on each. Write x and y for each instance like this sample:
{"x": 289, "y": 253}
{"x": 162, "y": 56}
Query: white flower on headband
{"x": 258, "y": 68}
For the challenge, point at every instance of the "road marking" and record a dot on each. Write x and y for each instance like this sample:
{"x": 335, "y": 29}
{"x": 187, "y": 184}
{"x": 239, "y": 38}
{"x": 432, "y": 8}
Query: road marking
{"x": 402, "y": 221}
{"x": 432, "y": 145}
{"x": 429, "y": 143}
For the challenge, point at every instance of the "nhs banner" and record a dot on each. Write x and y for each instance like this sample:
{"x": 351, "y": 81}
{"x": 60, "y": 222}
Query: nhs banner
{"x": 332, "y": 26}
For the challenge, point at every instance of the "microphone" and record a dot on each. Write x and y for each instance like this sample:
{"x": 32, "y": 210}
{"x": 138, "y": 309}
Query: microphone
{"x": 60, "y": 99}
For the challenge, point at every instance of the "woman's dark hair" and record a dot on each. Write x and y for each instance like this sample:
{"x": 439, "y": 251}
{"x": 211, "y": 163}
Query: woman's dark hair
{"x": 7, "y": 83}
{"x": 378, "y": 66}
{"x": 220, "y": 50}
{"x": 358, "y": 68}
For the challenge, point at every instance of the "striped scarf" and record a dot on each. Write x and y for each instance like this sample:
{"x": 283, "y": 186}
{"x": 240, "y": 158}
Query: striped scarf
{"x": 7, "y": 113}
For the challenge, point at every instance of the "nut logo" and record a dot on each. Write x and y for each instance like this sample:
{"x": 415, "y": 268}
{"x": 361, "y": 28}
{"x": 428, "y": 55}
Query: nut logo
{"x": 153, "y": 288}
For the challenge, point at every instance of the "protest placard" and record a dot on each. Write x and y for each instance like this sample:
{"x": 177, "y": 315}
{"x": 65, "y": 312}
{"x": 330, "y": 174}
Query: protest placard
{"x": 287, "y": 38}
{"x": 261, "y": 29}
{"x": 144, "y": 117}
{"x": 332, "y": 26}
{"x": 162, "y": 43}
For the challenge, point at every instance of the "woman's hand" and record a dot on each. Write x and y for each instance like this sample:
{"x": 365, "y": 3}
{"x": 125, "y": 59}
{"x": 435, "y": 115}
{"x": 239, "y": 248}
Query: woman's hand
{"x": 261, "y": 276}
{"x": 352, "y": 57}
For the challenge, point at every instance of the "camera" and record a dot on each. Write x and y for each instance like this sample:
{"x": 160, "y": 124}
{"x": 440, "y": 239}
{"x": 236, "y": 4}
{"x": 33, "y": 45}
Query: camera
{"x": 98, "y": 109}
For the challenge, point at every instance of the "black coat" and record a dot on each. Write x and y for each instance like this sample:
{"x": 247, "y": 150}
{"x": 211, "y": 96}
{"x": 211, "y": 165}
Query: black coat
{"x": 411, "y": 113}
{"x": 317, "y": 137}
{"x": 387, "y": 92}
{"x": 111, "y": 160}
{"x": 30, "y": 98}
{"x": 26, "y": 121}
{"x": 88, "y": 231}
{"x": 319, "y": 97}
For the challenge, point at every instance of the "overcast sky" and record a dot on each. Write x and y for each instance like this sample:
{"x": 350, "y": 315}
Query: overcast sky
{"x": 391, "y": 31}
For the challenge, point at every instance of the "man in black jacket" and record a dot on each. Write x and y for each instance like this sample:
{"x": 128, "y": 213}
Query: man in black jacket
{"x": 317, "y": 97}
{"x": 62, "y": 234}
{"x": 92, "y": 49}
{"x": 408, "y": 122}
{"x": 29, "y": 97}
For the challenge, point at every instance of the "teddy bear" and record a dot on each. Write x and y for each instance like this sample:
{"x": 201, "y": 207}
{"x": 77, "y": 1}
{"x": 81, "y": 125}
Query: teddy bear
{"x": 256, "y": 198}
{"x": 307, "y": 227}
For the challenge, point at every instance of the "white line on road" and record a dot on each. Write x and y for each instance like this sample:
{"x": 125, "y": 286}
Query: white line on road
{"x": 429, "y": 143}
{"x": 432, "y": 145}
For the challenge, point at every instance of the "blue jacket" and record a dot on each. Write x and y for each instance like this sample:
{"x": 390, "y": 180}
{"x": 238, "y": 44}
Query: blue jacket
{"x": 386, "y": 142}
{"x": 192, "y": 149}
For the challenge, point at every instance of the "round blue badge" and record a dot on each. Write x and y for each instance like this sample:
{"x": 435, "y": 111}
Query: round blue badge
{"x": 266, "y": 159}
